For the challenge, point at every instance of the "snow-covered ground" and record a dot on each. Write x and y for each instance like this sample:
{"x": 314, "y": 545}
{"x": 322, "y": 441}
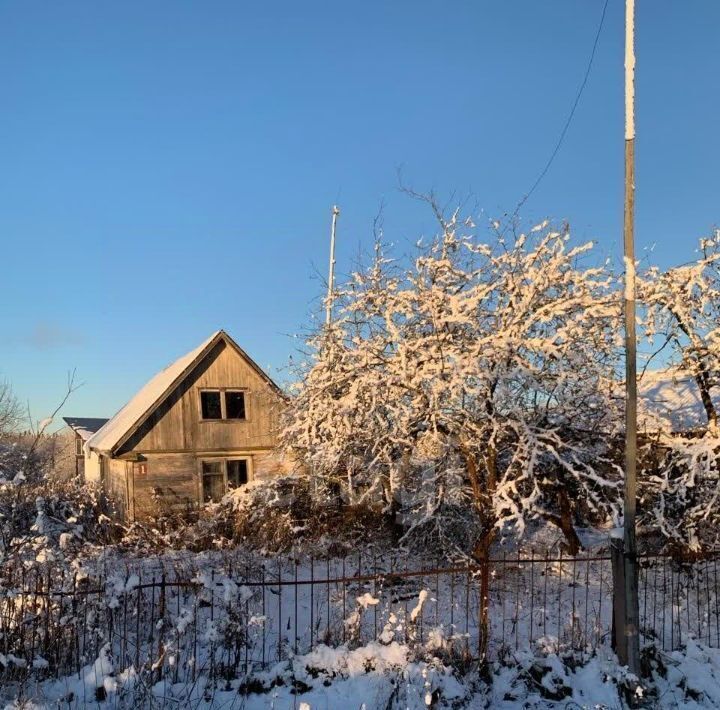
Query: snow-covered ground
{"x": 250, "y": 636}
{"x": 393, "y": 675}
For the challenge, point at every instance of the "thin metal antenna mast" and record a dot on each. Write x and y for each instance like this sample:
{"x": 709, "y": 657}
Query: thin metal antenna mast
{"x": 331, "y": 270}
{"x": 632, "y": 611}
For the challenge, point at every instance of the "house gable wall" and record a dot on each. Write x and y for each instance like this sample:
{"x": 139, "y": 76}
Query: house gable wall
{"x": 176, "y": 426}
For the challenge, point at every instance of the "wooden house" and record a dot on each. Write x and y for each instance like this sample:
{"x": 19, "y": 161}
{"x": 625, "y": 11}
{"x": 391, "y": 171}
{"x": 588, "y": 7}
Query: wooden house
{"x": 82, "y": 428}
{"x": 203, "y": 426}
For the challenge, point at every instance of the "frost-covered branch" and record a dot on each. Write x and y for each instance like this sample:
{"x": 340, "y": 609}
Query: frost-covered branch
{"x": 495, "y": 358}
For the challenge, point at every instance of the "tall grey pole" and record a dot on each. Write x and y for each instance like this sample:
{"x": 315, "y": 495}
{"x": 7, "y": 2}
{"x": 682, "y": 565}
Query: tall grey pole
{"x": 331, "y": 270}
{"x": 632, "y": 612}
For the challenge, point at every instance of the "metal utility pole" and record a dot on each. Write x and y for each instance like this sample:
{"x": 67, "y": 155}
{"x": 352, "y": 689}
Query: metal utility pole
{"x": 629, "y": 646}
{"x": 331, "y": 270}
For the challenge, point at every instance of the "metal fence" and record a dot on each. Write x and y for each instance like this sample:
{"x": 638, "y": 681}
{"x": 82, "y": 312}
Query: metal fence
{"x": 679, "y": 600}
{"x": 230, "y": 621}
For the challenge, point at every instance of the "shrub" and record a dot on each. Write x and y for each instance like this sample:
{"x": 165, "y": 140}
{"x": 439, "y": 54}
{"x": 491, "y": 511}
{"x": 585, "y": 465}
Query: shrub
{"x": 41, "y": 520}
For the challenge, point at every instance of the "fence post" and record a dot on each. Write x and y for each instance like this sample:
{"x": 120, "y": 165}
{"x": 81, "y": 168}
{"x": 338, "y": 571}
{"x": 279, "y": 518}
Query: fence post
{"x": 483, "y": 620}
{"x": 617, "y": 558}
{"x": 161, "y": 628}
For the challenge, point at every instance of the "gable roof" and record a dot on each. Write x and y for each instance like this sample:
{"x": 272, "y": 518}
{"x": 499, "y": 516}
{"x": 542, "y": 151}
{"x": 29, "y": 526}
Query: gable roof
{"x": 85, "y": 427}
{"x": 672, "y": 396}
{"x": 149, "y": 397}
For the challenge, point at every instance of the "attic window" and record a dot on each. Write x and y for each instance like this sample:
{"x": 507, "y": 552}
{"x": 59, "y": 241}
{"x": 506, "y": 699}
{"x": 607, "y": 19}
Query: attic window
{"x": 234, "y": 405}
{"x": 222, "y": 404}
{"x": 210, "y": 404}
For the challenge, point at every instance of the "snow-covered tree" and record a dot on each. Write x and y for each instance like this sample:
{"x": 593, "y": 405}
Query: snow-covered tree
{"x": 10, "y": 410}
{"x": 683, "y": 311}
{"x": 681, "y": 490}
{"x": 682, "y": 481}
{"x": 478, "y": 380}
{"x": 36, "y": 509}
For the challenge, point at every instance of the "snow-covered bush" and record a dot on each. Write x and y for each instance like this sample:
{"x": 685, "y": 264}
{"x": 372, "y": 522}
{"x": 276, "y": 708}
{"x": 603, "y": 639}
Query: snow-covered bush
{"x": 267, "y": 516}
{"x": 680, "y": 491}
{"x": 24, "y": 457}
{"x": 273, "y": 512}
{"x": 279, "y": 514}
{"x": 681, "y": 477}
{"x": 49, "y": 521}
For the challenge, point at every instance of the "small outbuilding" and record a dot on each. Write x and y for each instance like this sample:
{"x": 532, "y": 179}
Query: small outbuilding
{"x": 82, "y": 429}
{"x": 206, "y": 424}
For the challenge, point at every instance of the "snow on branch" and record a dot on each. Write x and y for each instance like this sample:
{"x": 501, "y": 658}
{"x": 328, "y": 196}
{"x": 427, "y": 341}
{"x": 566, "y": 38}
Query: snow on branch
{"x": 479, "y": 376}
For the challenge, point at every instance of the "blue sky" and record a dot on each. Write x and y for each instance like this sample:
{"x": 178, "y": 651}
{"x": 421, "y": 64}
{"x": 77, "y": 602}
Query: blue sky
{"x": 168, "y": 168}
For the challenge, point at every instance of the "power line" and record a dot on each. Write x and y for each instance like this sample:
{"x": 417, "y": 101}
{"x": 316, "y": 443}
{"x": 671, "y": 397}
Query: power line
{"x": 564, "y": 131}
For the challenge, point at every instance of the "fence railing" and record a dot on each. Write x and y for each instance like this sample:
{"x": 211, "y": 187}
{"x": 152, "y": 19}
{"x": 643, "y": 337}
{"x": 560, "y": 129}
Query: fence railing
{"x": 229, "y": 621}
{"x": 679, "y": 600}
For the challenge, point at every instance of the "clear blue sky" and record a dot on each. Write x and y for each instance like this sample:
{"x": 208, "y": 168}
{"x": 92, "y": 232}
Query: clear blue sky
{"x": 168, "y": 168}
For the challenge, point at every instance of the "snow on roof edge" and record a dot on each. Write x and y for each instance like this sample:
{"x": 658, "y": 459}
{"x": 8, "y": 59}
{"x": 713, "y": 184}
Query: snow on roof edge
{"x": 670, "y": 396}
{"x": 85, "y": 427}
{"x": 110, "y": 434}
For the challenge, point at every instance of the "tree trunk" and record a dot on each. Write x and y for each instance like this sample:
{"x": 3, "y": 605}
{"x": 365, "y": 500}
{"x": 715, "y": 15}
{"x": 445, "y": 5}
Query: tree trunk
{"x": 483, "y": 505}
{"x": 391, "y": 509}
{"x": 702, "y": 376}
{"x": 565, "y": 522}
{"x": 482, "y": 554}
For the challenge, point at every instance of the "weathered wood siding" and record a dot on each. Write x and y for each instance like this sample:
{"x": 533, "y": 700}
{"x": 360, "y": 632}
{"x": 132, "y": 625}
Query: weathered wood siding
{"x": 116, "y": 483}
{"x": 172, "y": 483}
{"x": 266, "y": 464}
{"x": 169, "y": 486}
{"x": 176, "y": 426}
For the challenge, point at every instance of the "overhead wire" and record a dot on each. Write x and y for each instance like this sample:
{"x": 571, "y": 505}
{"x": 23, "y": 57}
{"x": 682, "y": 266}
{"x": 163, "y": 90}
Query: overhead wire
{"x": 565, "y": 128}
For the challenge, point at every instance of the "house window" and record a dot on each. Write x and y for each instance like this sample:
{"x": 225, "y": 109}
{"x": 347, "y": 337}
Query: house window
{"x": 213, "y": 481}
{"x": 222, "y": 404}
{"x": 221, "y": 476}
{"x": 79, "y": 446}
{"x": 210, "y": 404}
{"x": 237, "y": 473}
{"x": 234, "y": 405}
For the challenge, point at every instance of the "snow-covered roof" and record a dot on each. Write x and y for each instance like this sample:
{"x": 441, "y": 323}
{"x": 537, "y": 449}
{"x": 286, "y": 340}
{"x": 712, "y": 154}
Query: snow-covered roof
{"x": 111, "y": 433}
{"x": 673, "y": 397}
{"x": 85, "y": 427}
{"x": 155, "y": 391}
